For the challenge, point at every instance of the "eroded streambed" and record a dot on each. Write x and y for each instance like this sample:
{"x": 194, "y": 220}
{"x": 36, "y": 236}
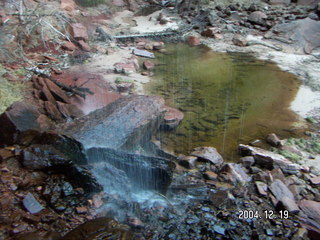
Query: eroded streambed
{"x": 226, "y": 98}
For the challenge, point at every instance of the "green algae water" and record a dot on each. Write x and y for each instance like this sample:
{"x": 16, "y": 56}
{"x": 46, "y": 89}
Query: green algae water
{"x": 227, "y": 99}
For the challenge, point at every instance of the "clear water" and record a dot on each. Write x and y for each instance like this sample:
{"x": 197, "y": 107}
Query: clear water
{"x": 226, "y": 98}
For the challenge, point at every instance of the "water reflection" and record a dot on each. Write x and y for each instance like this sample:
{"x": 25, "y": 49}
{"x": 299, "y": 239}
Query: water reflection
{"x": 226, "y": 98}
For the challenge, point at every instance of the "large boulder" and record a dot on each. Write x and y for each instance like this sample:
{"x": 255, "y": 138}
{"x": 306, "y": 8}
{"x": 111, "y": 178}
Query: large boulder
{"x": 144, "y": 172}
{"x": 269, "y": 159}
{"x": 18, "y": 118}
{"x": 126, "y": 124}
{"x": 257, "y": 17}
{"x": 304, "y": 34}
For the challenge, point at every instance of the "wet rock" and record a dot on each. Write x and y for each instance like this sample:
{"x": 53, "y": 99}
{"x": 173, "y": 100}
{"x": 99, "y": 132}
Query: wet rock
{"x": 239, "y": 40}
{"x": 99, "y": 228}
{"x": 43, "y": 156}
{"x": 187, "y": 161}
{"x": 18, "y": 118}
{"x": 143, "y": 171}
{"x": 5, "y": 154}
{"x": 262, "y": 188}
{"x": 45, "y": 93}
{"x": 70, "y": 148}
{"x": 135, "y": 222}
{"x": 274, "y": 140}
{"x": 79, "y": 32}
{"x": 269, "y": 159}
{"x": 221, "y": 198}
{"x": 69, "y": 110}
{"x": 97, "y": 200}
{"x": 311, "y": 209}
{"x": 210, "y": 32}
{"x": 123, "y": 124}
{"x": 31, "y": 204}
{"x": 208, "y": 154}
{"x": 278, "y": 174}
{"x": 148, "y": 65}
{"x": 235, "y": 173}
{"x": 219, "y": 229}
{"x": 257, "y": 17}
{"x": 247, "y": 161}
{"x": 81, "y": 210}
{"x": 172, "y": 118}
{"x": 193, "y": 41}
{"x": 68, "y": 5}
{"x": 67, "y": 189}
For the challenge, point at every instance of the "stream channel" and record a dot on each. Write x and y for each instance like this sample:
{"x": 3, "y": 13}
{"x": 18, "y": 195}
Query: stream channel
{"x": 227, "y": 99}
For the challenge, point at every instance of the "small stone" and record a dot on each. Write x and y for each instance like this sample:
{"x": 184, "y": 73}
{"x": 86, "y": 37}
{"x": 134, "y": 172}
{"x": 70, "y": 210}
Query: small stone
{"x": 135, "y": 222}
{"x": 262, "y": 188}
{"x": 269, "y": 232}
{"x": 79, "y": 31}
{"x": 84, "y": 46}
{"x": 31, "y": 204}
{"x": 239, "y": 40}
{"x": 187, "y": 161}
{"x": 148, "y": 65}
{"x": 274, "y": 140}
{"x": 81, "y": 210}
{"x": 219, "y": 229}
{"x": 193, "y": 41}
{"x": 209, "y": 154}
{"x": 247, "y": 161}
{"x": 210, "y": 175}
{"x": 290, "y": 205}
{"x": 315, "y": 180}
{"x": 69, "y": 46}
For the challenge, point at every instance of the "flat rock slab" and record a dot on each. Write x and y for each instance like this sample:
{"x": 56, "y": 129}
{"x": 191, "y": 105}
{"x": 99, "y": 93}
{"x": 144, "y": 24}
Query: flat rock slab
{"x": 280, "y": 190}
{"x": 31, "y": 204}
{"x": 208, "y": 154}
{"x": 124, "y": 124}
{"x": 269, "y": 159}
{"x": 143, "y": 53}
{"x": 311, "y": 209}
{"x": 235, "y": 173}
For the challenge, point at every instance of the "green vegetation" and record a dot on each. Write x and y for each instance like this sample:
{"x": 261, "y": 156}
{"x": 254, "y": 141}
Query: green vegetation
{"x": 89, "y": 3}
{"x": 20, "y": 72}
{"x": 311, "y": 145}
{"x": 9, "y": 93}
{"x": 121, "y": 80}
{"x": 290, "y": 155}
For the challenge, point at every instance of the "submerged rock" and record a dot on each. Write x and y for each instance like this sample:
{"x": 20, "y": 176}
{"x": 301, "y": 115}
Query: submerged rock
{"x": 127, "y": 123}
{"x": 100, "y": 228}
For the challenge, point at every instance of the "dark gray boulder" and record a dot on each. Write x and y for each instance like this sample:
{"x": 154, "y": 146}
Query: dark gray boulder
{"x": 18, "y": 118}
{"x": 125, "y": 124}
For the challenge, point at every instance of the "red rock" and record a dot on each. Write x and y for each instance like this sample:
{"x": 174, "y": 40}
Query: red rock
{"x": 118, "y": 3}
{"x": 125, "y": 67}
{"x": 158, "y": 45}
{"x": 125, "y": 86}
{"x": 144, "y": 73}
{"x": 148, "y": 65}
{"x": 172, "y": 117}
{"x": 217, "y": 36}
{"x": 68, "y": 5}
{"x": 193, "y": 41}
{"x": 84, "y": 46}
{"x": 239, "y": 40}
{"x": 69, "y": 46}
{"x": 79, "y": 32}
{"x": 81, "y": 210}
{"x": 52, "y": 111}
{"x": 52, "y": 59}
{"x": 45, "y": 92}
{"x": 141, "y": 45}
{"x": 311, "y": 209}
{"x": 100, "y": 49}
{"x": 69, "y": 110}
{"x": 209, "y": 175}
{"x": 56, "y": 71}
{"x": 56, "y": 91}
{"x": 315, "y": 180}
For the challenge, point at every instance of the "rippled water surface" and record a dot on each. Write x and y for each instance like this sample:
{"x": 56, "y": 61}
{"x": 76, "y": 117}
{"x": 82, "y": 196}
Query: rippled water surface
{"x": 226, "y": 98}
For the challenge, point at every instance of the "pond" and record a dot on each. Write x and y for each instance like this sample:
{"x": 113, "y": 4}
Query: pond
{"x": 226, "y": 98}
